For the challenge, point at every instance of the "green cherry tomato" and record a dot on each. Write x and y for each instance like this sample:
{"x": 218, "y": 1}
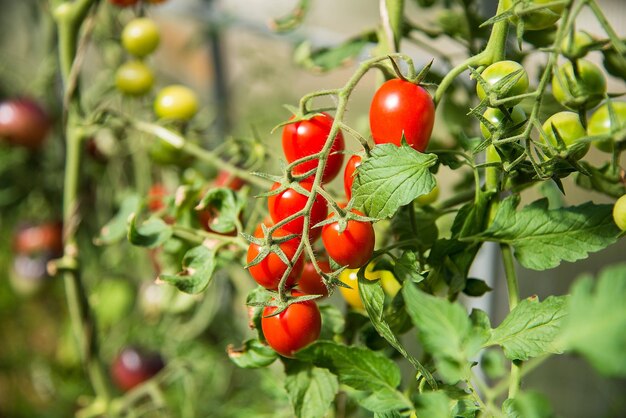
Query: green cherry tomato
{"x": 176, "y": 102}
{"x": 569, "y": 128}
{"x": 140, "y": 37}
{"x": 600, "y": 123}
{"x": 577, "y": 48}
{"x": 619, "y": 213}
{"x": 496, "y": 72}
{"x": 585, "y": 88}
{"x": 538, "y": 19}
{"x": 498, "y": 118}
{"x": 428, "y": 198}
{"x": 134, "y": 78}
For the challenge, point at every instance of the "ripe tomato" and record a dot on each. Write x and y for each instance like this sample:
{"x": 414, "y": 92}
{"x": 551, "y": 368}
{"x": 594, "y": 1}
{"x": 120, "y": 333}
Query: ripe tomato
{"x": 133, "y": 366}
{"x": 496, "y": 72}
{"x": 390, "y": 284}
{"x": 538, "y": 19}
{"x": 428, "y": 198}
{"x": 348, "y": 174}
{"x": 401, "y": 107}
{"x": 307, "y": 137}
{"x": 226, "y": 179}
{"x": 124, "y": 3}
{"x": 568, "y": 125}
{"x": 587, "y": 87}
{"x": 140, "y": 37}
{"x": 600, "y": 123}
{"x": 311, "y": 282}
{"x": 289, "y": 201}
{"x": 498, "y": 118}
{"x": 176, "y": 102}
{"x": 134, "y": 78}
{"x": 156, "y": 194}
{"x": 619, "y": 213}
{"x": 23, "y": 122}
{"x": 41, "y": 238}
{"x": 270, "y": 270}
{"x": 292, "y": 329}
{"x": 354, "y": 246}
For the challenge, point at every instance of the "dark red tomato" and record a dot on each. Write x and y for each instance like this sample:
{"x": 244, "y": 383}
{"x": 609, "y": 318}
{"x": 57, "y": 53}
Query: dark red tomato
{"x": 348, "y": 174}
{"x": 311, "y": 282}
{"x": 270, "y": 270}
{"x": 292, "y": 329}
{"x": 289, "y": 202}
{"x": 307, "y": 137}
{"x": 225, "y": 179}
{"x": 23, "y": 122}
{"x": 133, "y": 366}
{"x": 156, "y": 194}
{"x": 41, "y": 238}
{"x": 401, "y": 107}
{"x": 123, "y": 3}
{"x": 354, "y": 246}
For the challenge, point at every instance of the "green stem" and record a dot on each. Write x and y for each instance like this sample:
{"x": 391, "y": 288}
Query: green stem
{"x": 513, "y": 292}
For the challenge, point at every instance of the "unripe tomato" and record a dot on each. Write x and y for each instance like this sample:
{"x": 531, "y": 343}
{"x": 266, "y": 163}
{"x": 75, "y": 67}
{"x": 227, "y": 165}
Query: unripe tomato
{"x": 176, "y": 102}
{"x": 428, "y": 198}
{"x": 538, "y": 19}
{"x": 619, "y": 213}
{"x": 496, "y": 72}
{"x": 307, "y": 137}
{"x": 289, "y": 201}
{"x": 600, "y": 123}
{"x": 140, "y": 37}
{"x": 311, "y": 282}
{"x": 354, "y": 246}
{"x": 402, "y": 108}
{"x": 587, "y": 87}
{"x": 577, "y": 48}
{"x": 390, "y": 284}
{"x": 124, "y": 3}
{"x": 134, "y": 78}
{"x": 23, "y": 122}
{"x": 349, "y": 173}
{"x": 133, "y": 366}
{"x": 569, "y": 127}
{"x": 270, "y": 270}
{"x": 292, "y": 329}
{"x": 497, "y": 118}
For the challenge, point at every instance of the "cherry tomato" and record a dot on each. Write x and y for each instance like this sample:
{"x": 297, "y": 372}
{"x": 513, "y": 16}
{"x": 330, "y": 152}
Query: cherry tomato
{"x": 311, "y": 282}
{"x": 498, "y": 118}
{"x": 428, "y": 198}
{"x": 496, "y": 72}
{"x": 619, "y": 213}
{"x": 270, "y": 270}
{"x": 134, "y": 78}
{"x": 577, "y": 48}
{"x": 124, "y": 3}
{"x": 587, "y": 87}
{"x": 289, "y": 201}
{"x": 390, "y": 284}
{"x": 226, "y": 179}
{"x": 307, "y": 137}
{"x": 40, "y": 238}
{"x": 600, "y": 124}
{"x": 23, "y": 122}
{"x": 354, "y": 246}
{"x": 176, "y": 102}
{"x": 349, "y": 173}
{"x": 140, "y": 37}
{"x": 133, "y": 366}
{"x": 292, "y": 329}
{"x": 156, "y": 194}
{"x": 538, "y": 19}
{"x": 401, "y": 107}
{"x": 568, "y": 125}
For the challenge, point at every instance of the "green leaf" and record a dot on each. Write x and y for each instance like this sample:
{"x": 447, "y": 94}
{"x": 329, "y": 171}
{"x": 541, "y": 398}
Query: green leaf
{"x": 198, "y": 267}
{"x": 596, "y": 323}
{"x": 311, "y": 389}
{"x": 329, "y": 58}
{"x": 531, "y": 328}
{"x": 383, "y": 400}
{"x": 542, "y": 238}
{"x": 407, "y": 268}
{"x": 152, "y": 233}
{"x": 252, "y": 355}
{"x": 333, "y": 322}
{"x": 425, "y": 233}
{"x": 527, "y": 405}
{"x": 388, "y": 414}
{"x": 476, "y": 287}
{"x": 116, "y": 228}
{"x": 390, "y": 178}
{"x": 227, "y": 206}
{"x": 492, "y": 363}
{"x": 433, "y": 405}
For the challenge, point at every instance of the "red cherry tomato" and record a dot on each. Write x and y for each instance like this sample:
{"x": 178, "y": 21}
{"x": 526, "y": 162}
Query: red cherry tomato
{"x": 311, "y": 282}
{"x": 401, "y": 107}
{"x": 45, "y": 237}
{"x": 133, "y": 366}
{"x": 226, "y": 179}
{"x": 307, "y": 137}
{"x": 270, "y": 270}
{"x": 354, "y": 246}
{"x": 156, "y": 194}
{"x": 292, "y": 329}
{"x": 288, "y": 202}
{"x": 348, "y": 174}
{"x": 23, "y": 122}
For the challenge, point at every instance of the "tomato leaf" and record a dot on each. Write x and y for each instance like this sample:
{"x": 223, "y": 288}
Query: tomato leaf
{"x": 328, "y": 58}
{"x": 542, "y": 238}
{"x": 531, "y": 328}
{"x": 433, "y": 405}
{"x": 596, "y": 320}
{"x": 311, "y": 389}
{"x": 116, "y": 228}
{"x": 333, "y": 322}
{"x": 407, "y": 267}
{"x": 226, "y": 203}
{"x": 198, "y": 267}
{"x": 527, "y": 405}
{"x": 151, "y": 234}
{"x": 390, "y": 178}
{"x": 252, "y": 355}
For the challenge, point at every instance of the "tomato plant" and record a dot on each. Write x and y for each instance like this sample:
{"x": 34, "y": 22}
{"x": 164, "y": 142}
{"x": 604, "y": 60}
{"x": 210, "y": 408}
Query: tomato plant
{"x": 538, "y": 19}
{"x": 351, "y": 245}
{"x": 584, "y": 87}
{"x": 512, "y": 123}
{"x": 140, "y": 37}
{"x": 569, "y": 129}
{"x": 493, "y": 77}
{"x": 601, "y": 123}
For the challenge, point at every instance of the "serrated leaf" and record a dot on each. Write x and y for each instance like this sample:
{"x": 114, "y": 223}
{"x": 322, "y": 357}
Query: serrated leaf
{"x": 198, "y": 267}
{"x": 390, "y": 178}
{"x": 115, "y": 230}
{"x": 152, "y": 233}
{"x": 531, "y": 328}
{"x": 596, "y": 323}
{"x": 433, "y": 405}
{"x": 527, "y": 405}
{"x": 227, "y": 206}
{"x": 252, "y": 355}
{"x": 406, "y": 267}
{"x": 310, "y": 389}
{"x": 543, "y": 238}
